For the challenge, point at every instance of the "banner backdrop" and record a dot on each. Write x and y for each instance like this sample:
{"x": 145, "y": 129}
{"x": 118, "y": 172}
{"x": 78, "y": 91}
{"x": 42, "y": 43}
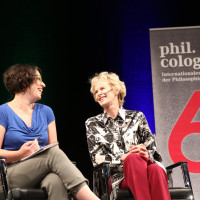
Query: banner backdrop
{"x": 175, "y": 60}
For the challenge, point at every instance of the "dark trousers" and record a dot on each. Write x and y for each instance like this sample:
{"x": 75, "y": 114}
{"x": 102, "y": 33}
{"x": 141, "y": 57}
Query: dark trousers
{"x": 146, "y": 180}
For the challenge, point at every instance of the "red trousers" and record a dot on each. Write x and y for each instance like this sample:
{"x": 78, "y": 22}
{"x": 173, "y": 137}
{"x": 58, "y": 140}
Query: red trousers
{"x": 146, "y": 180}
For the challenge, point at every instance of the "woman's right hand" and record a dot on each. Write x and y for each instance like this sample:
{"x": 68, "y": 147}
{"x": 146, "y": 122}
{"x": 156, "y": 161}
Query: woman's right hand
{"x": 137, "y": 149}
{"x": 28, "y": 148}
{"x": 124, "y": 156}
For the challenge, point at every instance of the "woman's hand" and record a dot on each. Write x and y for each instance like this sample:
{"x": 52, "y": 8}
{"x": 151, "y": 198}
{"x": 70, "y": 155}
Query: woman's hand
{"x": 124, "y": 156}
{"x": 28, "y": 148}
{"x": 139, "y": 149}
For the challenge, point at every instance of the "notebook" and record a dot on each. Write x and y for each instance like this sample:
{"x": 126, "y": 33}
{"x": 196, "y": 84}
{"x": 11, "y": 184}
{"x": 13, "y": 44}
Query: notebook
{"x": 38, "y": 151}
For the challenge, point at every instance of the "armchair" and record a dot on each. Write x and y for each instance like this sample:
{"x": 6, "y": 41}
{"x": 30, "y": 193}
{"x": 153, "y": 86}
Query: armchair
{"x": 102, "y": 173}
{"x": 19, "y": 193}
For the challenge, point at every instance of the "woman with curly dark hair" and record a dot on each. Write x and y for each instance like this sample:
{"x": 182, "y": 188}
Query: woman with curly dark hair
{"x": 22, "y": 122}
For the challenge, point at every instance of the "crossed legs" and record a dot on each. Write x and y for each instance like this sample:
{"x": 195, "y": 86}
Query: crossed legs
{"x": 146, "y": 180}
{"x": 51, "y": 169}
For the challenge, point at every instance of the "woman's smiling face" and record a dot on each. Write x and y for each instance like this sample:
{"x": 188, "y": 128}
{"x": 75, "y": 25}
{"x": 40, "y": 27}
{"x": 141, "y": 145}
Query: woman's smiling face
{"x": 36, "y": 88}
{"x": 104, "y": 93}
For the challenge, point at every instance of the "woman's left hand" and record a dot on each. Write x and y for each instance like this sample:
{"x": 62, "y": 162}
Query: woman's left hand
{"x": 139, "y": 149}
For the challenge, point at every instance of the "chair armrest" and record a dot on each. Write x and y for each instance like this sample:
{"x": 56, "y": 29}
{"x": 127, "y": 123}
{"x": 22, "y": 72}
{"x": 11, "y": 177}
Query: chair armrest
{"x": 100, "y": 166}
{"x": 101, "y": 176}
{"x": 30, "y": 193}
{"x": 185, "y": 172}
{"x": 176, "y": 165}
{"x": 3, "y": 176}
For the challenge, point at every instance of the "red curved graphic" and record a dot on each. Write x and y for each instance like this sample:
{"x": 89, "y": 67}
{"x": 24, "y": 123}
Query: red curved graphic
{"x": 183, "y": 128}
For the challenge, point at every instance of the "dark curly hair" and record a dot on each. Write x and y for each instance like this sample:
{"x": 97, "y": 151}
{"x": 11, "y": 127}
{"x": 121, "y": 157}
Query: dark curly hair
{"x": 19, "y": 77}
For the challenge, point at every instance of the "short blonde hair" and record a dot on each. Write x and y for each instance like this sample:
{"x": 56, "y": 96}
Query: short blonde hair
{"x": 113, "y": 80}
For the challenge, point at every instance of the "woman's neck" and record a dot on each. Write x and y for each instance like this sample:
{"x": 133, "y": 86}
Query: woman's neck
{"x": 112, "y": 111}
{"x": 21, "y": 102}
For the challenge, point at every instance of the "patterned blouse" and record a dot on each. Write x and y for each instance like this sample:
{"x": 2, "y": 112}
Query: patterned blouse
{"x": 108, "y": 139}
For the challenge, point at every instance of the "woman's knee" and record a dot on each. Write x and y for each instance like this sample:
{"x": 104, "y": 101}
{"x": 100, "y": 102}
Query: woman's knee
{"x": 56, "y": 152}
{"x": 131, "y": 157}
{"x": 155, "y": 169}
{"x": 57, "y": 156}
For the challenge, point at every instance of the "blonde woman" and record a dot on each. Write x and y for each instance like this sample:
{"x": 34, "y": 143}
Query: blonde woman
{"x": 123, "y": 136}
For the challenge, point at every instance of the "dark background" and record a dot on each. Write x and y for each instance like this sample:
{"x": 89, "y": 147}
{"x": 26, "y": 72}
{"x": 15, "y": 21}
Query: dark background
{"x": 72, "y": 40}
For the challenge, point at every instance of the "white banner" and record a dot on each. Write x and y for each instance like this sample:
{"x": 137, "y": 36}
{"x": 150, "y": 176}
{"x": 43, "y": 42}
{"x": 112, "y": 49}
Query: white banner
{"x": 175, "y": 60}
